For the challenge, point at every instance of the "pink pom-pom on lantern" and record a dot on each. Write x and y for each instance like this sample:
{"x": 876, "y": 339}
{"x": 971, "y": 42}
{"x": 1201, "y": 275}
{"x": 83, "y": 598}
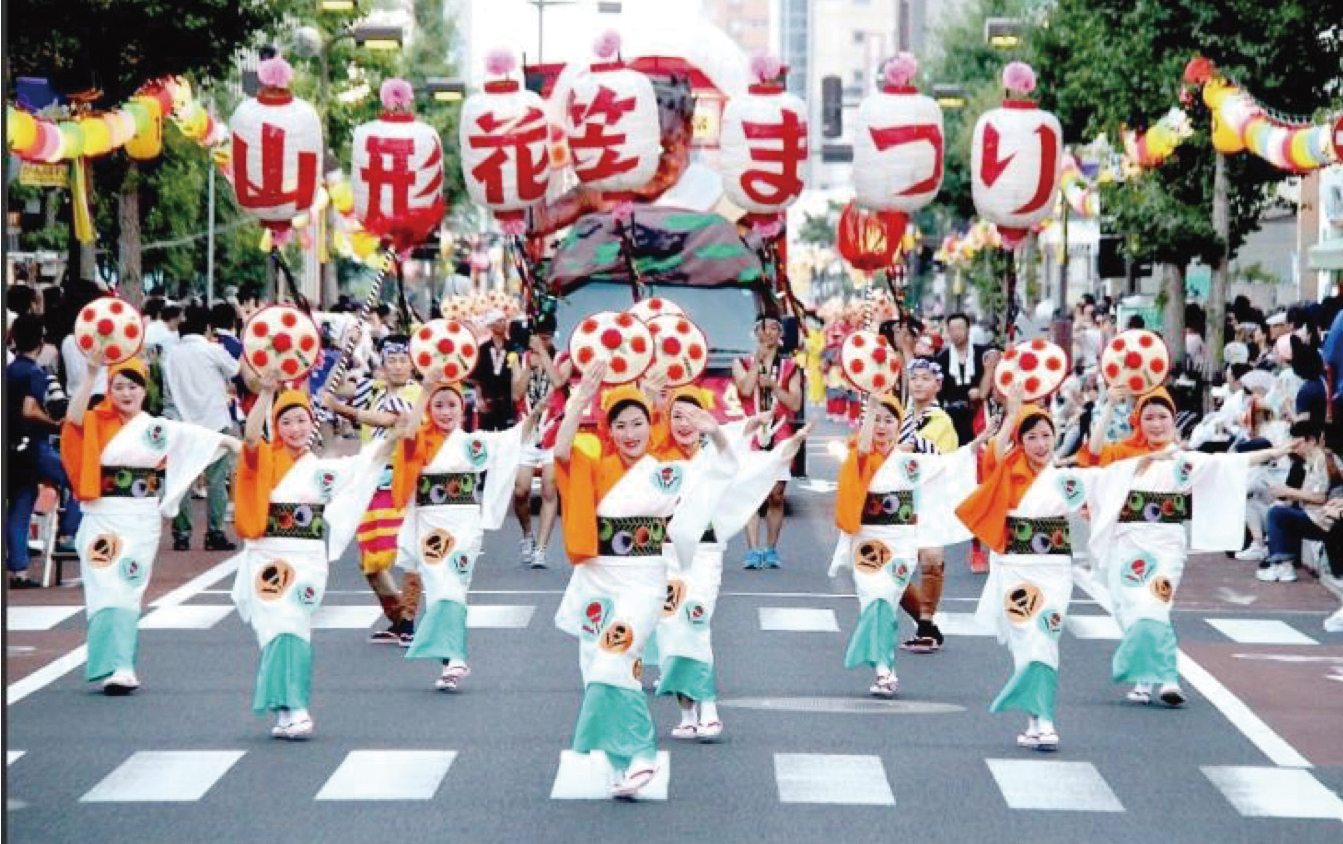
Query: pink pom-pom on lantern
{"x": 396, "y": 95}
{"x": 766, "y": 68}
{"x": 607, "y": 45}
{"x": 1019, "y": 78}
{"x": 500, "y": 62}
{"x": 275, "y": 73}
{"x": 900, "y": 71}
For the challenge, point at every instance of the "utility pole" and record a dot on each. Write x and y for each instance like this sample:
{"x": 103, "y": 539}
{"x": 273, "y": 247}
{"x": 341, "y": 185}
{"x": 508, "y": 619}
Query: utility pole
{"x": 541, "y": 6}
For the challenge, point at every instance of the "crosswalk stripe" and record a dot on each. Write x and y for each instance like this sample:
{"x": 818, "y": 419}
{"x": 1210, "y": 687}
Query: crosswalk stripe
{"x": 12, "y": 756}
{"x": 959, "y": 624}
{"x": 499, "y": 616}
{"x": 163, "y": 776}
{"x": 1053, "y": 786}
{"x": 1260, "y": 631}
{"x": 832, "y": 778}
{"x": 186, "y": 617}
{"x": 346, "y": 618}
{"x": 1094, "y": 627}
{"x": 388, "y": 775}
{"x": 588, "y": 776}
{"x": 798, "y": 620}
{"x": 36, "y": 618}
{"x": 1264, "y": 792}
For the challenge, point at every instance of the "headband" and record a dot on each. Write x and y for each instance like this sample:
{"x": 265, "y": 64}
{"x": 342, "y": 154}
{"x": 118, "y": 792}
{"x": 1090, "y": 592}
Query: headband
{"x": 128, "y": 366}
{"x": 288, "y": 400}
{"x": 395, "y": 347}
{"x": 699, "y": 396}
{"x": 625, "y": 393}
{"x": 926, "y": 363}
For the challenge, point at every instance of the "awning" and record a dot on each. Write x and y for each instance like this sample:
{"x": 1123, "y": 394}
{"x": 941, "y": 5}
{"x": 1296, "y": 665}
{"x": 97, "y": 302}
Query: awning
{"x": 1327, "y": 255}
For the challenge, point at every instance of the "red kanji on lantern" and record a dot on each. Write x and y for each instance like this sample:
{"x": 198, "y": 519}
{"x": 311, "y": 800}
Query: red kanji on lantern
{"x": 615, "y": 138}
{"x": 398, "y": 171}
{"x": 277, "y": 150}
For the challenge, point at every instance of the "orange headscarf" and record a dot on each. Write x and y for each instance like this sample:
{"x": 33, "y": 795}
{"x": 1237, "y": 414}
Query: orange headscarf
{"x": 414, "y": 453}
{"x": 82, "y": 445}
{"x": 665, "y": 446}
{"x": 261, "y": 469}
{"x": 1136, "y": 445}
{"x": 856, "y": 474}
{"x": 1006, "y": 481}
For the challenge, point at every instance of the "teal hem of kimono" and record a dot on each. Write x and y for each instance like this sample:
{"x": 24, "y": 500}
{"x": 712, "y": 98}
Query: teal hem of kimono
{"x": 1031, "y": 689}
{"x": 114, "y": 641}
{"x": 284, "y": 676}
{"x": 1146, "y": 654}
{"x": 652, "y": 656}
{"x": 873, "y": 640}
{"x": 441, "y": 634}
{"x": 617, "y": 722}
{"x": 688, "y": 677}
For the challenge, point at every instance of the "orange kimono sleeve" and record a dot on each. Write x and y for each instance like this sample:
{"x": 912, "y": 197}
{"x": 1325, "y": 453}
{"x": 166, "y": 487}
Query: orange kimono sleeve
{"x": 855, "y": 476}
{"x": 576, "y": 480}
{"x": 82, "y": 452}
{"x": 409, "y": 458}
{"x": 251, "y": 490}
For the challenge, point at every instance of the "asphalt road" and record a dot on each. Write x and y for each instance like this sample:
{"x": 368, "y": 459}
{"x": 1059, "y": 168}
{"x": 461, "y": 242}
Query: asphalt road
{"x": 185, "y": 760}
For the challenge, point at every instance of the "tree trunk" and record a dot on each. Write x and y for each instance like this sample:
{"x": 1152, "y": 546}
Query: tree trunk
{"x": 1221, "y": 226}
{"x": 1172, "y": 281}
{"x": 129, "y": 276}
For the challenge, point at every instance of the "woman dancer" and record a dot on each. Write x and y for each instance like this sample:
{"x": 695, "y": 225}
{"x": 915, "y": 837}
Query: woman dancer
{"x": 683, "y": 637}
{"x": 437, "y": 479}
{"x": 296, "y": 512}
{"x": 1138, "y": 512}
{"x": 883, "y": 491}
{"x": 129, "y": 470}
{"x": 617, "y": 501}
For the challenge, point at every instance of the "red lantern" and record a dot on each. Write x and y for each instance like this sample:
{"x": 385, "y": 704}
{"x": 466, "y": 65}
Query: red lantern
{"x": 277, "y": 149}
{"x": 398, "y": 171}
{"x": 870, "y": 240}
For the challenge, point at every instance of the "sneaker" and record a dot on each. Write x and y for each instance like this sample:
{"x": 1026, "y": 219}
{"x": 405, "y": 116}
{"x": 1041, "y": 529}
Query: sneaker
{"x": 770, "y": 559}
{"x": 1267, "y": 573}
{"x": 1171, "y": 695}
{"x": 755, "y": 558}
{"x": 1334, "y": 623}
{"x": 20, "y": 581}
{"x": 1286, "y": 571}
{"x": 1256, "y": 553}
{"x": 390, "y": 636}
{"x": 219, "y": 542}
{"x": 539, "y": 560}
{"x": 526, "y": 550}
{"x": 181, "y": 543}
{"x": 122, "y": 682}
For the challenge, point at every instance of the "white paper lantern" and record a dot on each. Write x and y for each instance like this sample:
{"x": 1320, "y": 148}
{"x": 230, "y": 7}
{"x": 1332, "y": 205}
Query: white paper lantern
{"x": 277, "y": 150}
{"x": 504, "y": 145}
{"x": 764, "y": 146}
{"x": 615, "y": 139}
{"x": 397, "y": 175}
{"x": 898, "y": 144}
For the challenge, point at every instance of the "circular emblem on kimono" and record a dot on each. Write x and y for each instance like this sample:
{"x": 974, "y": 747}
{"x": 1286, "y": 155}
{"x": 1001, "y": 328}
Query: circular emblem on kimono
{"x": 461, "y": 563}
{"x": 675, "y": 594}
{"x": 901, "y": 573}
{"x": 133, "y": 570}
{"x": 444, "y": 345}
{"x": 1022, "y": 602}
{"x": 912, "y": 469}
{"x": 667, "y": 478}
{"x": 156, "y": 436}
{"x": 1037, "y": 365}
{"x": 651, "y": 308}
{"x": 871, "y": 556}
{"x": 273, "y": 579}
{"x": 1071, "y": 489}
{"x": 620, "y": 339}
{"x": 696, "y": 613}
{"x": 146, "y": 487}
{"x": 594, "y": 617}
{"x": 1138, "y": 571}
{"x": 638, "y": 669}
{"x": 476, "y": 452}
{"x": 869, "y": 363}
{"x": 1046, "y": 541}
{"x": 282, "y": 341}
{"x": 303, "y": 516}
{"x": 307, "y": 595}
{"x": 1137, "y": 360}
{"x": 326, "y": 482}
{"x": 1184, "y": 470}
{"x": 1162, "y": 588}
{"x": 1051, "y": 622}
{"x": 104, "y": 549}
{"x": 618, "y": 637}
{"x": 110, "y": 326}
{"x": 436, "y": 545}
{"x": 680, "y": 350}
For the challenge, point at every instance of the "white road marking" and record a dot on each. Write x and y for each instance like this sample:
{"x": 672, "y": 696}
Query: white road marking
{"x": 197, "y": 617}
{"x": 1093, "y": 627}
{"x": 12, "y": 756}
{"x": 498, "y": 616}
{"x": 388, "y": 775}
{"x": 36, "y": 618}
{"x": 346, "y": 618}
{"x": 163, "y": 776}
{"x": 589, "y": 776}
{"x": 832, "y": 779}
{"x": 197, "y": 584}
{"x": 1260, "y": 631}
{"x": 1053, "y": 786}
{"x": 960, "y": 624}
{"x": 1258, "y": 792}
{"x": 1231, "y": 596}
{"x": 797, "y": 620}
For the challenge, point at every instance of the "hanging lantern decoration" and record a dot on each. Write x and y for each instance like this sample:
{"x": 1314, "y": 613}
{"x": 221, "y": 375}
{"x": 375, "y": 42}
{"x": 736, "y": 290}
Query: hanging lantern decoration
{"x": 147, "y": 143}
{"x": 615, "y": 138}
{"x": 764, "y": 142}
{"x": 870, "y": 240}
{"x": 277, "y": 149}
{"x": 1015, "y": 159}
{"x": 504, "y": 141}
{"x": 397, "y": 169}
{"x": 899, "y": 146}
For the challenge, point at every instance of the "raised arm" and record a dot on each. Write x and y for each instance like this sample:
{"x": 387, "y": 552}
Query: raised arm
{"x": 573, "y": 410}
{"x": 868, "y": 423}
{"x": 260, "y": 412}
{"x": 79, "y": 402}
{"x": 1015, "y": 398}
{"x": 1101, "y": 424}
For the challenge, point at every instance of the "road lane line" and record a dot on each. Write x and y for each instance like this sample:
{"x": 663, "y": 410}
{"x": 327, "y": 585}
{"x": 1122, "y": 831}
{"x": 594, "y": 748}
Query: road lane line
{"x": 1053, "y": 786}
{"x": 163, "y": 776}
{"x": 388, "y": 775}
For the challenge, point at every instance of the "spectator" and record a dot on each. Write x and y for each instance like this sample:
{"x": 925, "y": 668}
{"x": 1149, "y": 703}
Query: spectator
{"x": 1303, "y": 515}
{"x": 31, "y": 457}
{"x": 966, "y": 380}
{"x": 1312, "y": 397}
{"x": 20, "y": 299}
{"x": 198, "y": 375}
{"x": 161, "y": 334}
{"x": 493, "y": 375}
{"x": 73, "y": 361}
{"x": 1277, "y": 326}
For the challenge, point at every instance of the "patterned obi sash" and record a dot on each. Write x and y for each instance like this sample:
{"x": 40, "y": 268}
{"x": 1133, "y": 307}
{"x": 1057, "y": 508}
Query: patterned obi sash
{"x": 1158, "y": 508}
{"x": 296, "y": 521}
{"x": 1038, "y": 536}
{"x": 631, "y": 536}
{"x": 131, "y": 482}
{"x": 890, "y": 508}
{"x": 450, "y": 488}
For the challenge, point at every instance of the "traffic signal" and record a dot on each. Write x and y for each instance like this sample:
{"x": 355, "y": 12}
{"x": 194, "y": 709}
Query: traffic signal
{"x": 832, "y": 106}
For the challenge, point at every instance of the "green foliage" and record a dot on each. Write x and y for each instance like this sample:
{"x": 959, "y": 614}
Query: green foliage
{"x": 819, "y": 229}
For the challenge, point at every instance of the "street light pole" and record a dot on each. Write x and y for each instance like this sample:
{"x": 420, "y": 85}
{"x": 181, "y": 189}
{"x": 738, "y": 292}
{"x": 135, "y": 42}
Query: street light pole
{"x": 541, "y": 6}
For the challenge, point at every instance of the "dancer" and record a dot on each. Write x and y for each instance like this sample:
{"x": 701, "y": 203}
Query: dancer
{"x": 884, "y": 490}
{"x": 129, "y": 470}
{"x": 296, "y": 512}
{"x": 453, "y": 487}
{"x": 617, "y": 500}
{"x": 1020, "y": 511}
{"x": 684, "y": 648}
{"x": 542, "y": 379}
{"x": 1137, "y": 530}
